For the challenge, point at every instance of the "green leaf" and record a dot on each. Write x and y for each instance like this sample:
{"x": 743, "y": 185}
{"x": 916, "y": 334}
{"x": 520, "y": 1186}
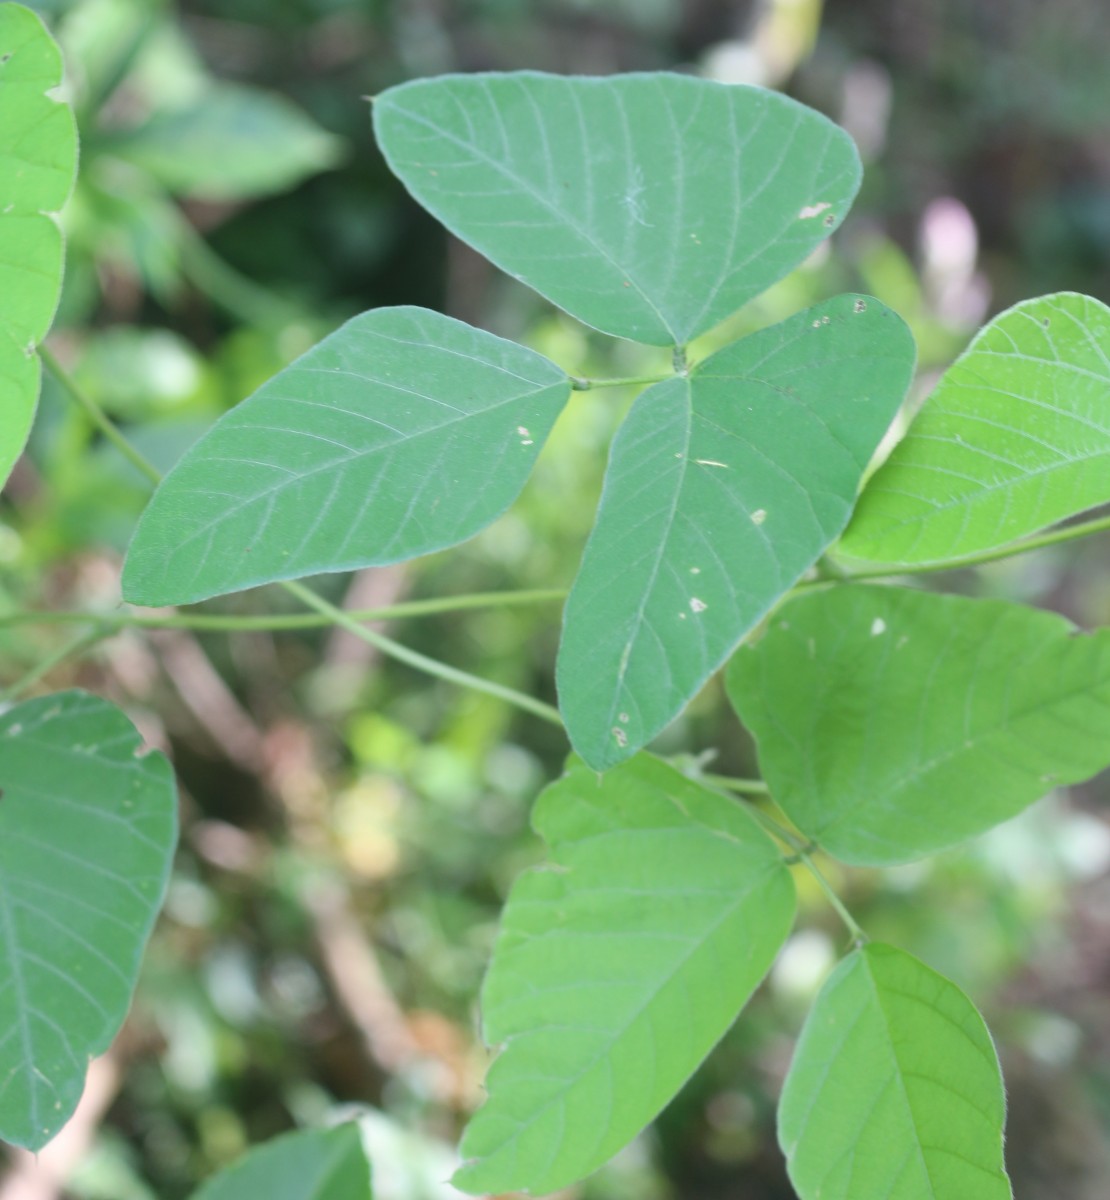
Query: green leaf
{"x": 892, "y": 723}
{"x": 312, "y": 1164}
{"x": 231, "y": 143}
{"x": 87, "y": 834}
{"x": 38, "y": 162}
{"x": 894, "y": 1090}
{"x": 648, "y": 206}
{"x": 722, "y": 489}
{"x": 618, "y": 967}
{"x": 401, "y": 433}
{"x": 1015, "y": 437}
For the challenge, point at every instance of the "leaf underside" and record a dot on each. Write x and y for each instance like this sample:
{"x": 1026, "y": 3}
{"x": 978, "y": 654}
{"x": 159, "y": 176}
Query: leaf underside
{"x": 722, "y": 490}
{"x": 895, "y": 1089}
{"x": 617, "y": 968}
{"x": 649, "y": 206}
{"x": 401, "y": 433}
{"x": 312, "y": 1164}
{"x": 87, "y": 834}
{"x": 892, "y": 723}
{"x": 38, "y": 162}
{"x": 1016, "y": 437}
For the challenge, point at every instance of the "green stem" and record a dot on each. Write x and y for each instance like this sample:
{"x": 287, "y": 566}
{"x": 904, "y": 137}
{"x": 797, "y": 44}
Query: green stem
{"x": 803, "y": 852}
{"x": 70, "y": 649}
{"x": 98, "y": 417}
{"x": 1054, "y": 537}
{"x": 743, "y": 787}
{"x": 218, "y": 623}
{"x": 580, "y": 384}
{"x": 421, "y": 662}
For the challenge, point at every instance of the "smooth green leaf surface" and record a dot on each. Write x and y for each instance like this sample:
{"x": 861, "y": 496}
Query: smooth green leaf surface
{"x": 231, "y": 143}
{"x": 401, "y": 433}
{"x": 722, "y": 489}
{"x": 87, "y": 834}
{"x": 895, "y": 1091}
{"x": 38, "y": 161}
{"x": 648, "y": 206}
{"x": 1015, "y": 437}
{"x": 312, "y": 1164}
{"x": 892, "y": 723}
{"x": 617, "y": 968}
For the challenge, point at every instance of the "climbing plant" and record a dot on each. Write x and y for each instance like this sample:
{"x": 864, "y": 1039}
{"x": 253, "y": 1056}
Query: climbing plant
{"x": 738, "y": 529}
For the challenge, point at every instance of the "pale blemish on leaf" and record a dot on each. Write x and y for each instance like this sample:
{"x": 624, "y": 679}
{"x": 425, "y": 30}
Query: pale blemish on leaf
{"x": 759, "y": 516}
{"x": 813, "y": 210}
{"x": 878, "y": 626}
{"x": 697, "y": 606}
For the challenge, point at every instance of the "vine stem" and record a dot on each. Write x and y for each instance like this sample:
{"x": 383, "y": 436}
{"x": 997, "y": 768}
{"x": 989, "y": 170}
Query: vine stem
{"x": 803, "y": 852}
{"x": 581, "y": 384}
{"x": 98, "y": 417}
{"x": 262, "y": 622}
{"x": 70, "y": 649}
{"x": 333, "y": 615}
{"x": 420, "y": 661}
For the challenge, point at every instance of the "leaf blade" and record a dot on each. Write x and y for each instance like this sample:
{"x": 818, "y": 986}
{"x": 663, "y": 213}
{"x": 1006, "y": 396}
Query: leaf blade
{"x": 659, "y": 891}
{"x": 310, "y": 1164}
{"x": 868, "y": 1107}
{"x": 38, "y": 163}
{"x": 722, "y": 490}
{"x": 365, "y": 423}
{"x": 1014, "y": 438}
{"x": 566, "y": 184}
{"x": 849, "y": 695}
{"x": 82, "y": 877}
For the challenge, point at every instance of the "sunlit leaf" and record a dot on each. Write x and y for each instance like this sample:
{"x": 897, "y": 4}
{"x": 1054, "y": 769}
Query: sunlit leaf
{"x": 38, "y": 161}
{"x": 648, "y": 206}
{"x": 1015, "y": 437}
{"x": 894, "y": 1090}
{"x": 230, "y": 143}
{"x": 892, "y": 723}
{"x": 401, "y": 433}
{"x": 87, "y": 833}
{"x": 617, "y": 968}
{"x": 313, "y": 1164}
{"x": 722, "y": 489}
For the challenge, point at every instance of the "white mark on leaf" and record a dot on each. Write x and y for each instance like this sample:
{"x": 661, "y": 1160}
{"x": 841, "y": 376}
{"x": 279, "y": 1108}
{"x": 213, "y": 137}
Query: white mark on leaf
{"x": 813, "y": 210}
{"x": 619, "y": 736}
{"x": 710, "y": 462}
{"x": 697, "y": 606}
{"x": 623, "y": 718}
{"x": 860, "y": 306}
{"x": 878, "y": 626}
{"x": 759, "y": 516}
{"x": 695, "y": 570}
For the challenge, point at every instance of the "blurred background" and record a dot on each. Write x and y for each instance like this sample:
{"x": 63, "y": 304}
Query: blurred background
{"x": 350, "y": 828}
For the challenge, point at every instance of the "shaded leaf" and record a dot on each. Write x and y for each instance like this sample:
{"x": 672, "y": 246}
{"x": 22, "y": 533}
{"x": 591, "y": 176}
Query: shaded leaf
{"x": 401, "y": 433}
{"x": 648, "y": 206}
{"x": 87, "y": 834}
{"x": 230, "y": 143}
{"x": 312, "y": 1164}
{"x": 892, "y": 723}
{"x": 617, "y": 968}
{"x": 1015, "y": 437}
{"x": 38, "y": 162}
{"x": 722, "y": 489}
{"x": 895, "y": 1089}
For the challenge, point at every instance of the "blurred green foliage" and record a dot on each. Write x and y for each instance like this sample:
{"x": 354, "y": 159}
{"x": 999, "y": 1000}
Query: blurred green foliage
{"x": 351, "y": 828}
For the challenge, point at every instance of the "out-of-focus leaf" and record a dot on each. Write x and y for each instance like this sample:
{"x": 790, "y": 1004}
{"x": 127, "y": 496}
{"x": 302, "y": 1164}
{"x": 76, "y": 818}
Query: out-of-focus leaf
{"x": 232, "y": 143}
{"x": 87, "y": 834}
{"x": 312, "y": 1164}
